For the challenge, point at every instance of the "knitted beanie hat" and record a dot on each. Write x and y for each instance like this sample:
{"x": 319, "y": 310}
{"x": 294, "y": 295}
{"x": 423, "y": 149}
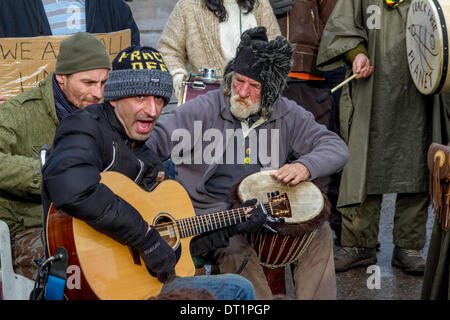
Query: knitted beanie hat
{"x": 81, "y": 52}
{"x": 267, "y": 62}
{"x": 138, "y": 71}
{"x": 246, "y": 61}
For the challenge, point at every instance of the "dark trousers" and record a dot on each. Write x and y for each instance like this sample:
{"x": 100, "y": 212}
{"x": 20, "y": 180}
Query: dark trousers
{"x": 360, "y": 227}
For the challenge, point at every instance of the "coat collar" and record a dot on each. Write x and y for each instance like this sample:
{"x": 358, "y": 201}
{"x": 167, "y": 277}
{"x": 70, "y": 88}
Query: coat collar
{"x": 46, "y": 87}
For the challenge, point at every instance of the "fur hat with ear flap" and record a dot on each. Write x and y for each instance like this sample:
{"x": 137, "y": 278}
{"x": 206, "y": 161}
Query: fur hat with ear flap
{"x": 268, "y": 62}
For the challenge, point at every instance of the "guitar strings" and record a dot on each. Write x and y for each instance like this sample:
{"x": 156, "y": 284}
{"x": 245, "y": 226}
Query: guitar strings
{"x": 221, "y": 216}
{"x": 195, "y": 225}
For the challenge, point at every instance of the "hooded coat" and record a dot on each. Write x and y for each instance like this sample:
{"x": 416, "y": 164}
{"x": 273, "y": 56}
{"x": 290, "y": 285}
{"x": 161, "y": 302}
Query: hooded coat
{"x": 387, "y": 123}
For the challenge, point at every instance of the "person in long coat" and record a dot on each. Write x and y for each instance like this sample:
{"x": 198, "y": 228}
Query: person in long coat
{"x": 388, "y": 125}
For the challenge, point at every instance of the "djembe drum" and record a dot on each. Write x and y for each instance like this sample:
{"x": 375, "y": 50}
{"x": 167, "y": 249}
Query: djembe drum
{"x": 309, "y": 209}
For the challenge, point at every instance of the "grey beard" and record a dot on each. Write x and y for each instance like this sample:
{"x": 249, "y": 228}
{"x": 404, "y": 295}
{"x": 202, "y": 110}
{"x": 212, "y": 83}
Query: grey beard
{"x": 240, "y": 111}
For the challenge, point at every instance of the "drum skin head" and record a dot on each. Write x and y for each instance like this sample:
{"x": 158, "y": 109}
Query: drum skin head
{"x": 305, "y": 198}
{"x": 427, "y": 45}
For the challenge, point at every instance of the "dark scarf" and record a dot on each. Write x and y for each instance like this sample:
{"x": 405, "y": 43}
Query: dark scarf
{"x": 62, "y": 105}
{"x": 392, "y": 4}
{"x": 252, "y": 119}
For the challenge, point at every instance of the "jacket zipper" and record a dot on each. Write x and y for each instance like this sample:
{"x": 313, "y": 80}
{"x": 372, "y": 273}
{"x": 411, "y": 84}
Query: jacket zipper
{"x": 314, "y": 23}
{"x": 141, "y": 164}
{"x": 113, "y": 157}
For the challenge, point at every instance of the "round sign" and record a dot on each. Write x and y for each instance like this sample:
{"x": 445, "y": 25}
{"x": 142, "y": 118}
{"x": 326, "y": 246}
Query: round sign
{"x": 427, "y": 45}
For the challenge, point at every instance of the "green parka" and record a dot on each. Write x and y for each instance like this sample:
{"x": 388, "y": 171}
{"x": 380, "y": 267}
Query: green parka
{"x": 27, "y": 122}
{"x": 387, "y": 123}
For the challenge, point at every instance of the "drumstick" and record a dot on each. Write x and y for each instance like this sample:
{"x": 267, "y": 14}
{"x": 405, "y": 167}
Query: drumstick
{"x": 324, "y": 96}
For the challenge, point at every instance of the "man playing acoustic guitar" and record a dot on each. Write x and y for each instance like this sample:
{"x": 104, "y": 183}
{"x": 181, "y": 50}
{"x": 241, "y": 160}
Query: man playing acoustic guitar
{"x": 272, "y": 133}
{"x": 110, "y": 137}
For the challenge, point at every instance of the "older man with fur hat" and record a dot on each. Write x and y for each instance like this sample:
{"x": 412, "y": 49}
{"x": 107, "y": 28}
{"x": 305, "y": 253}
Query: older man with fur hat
{"x": 249, "y": 107}
{"x": 111, "y": 137}
{"x": 28, "y": 121}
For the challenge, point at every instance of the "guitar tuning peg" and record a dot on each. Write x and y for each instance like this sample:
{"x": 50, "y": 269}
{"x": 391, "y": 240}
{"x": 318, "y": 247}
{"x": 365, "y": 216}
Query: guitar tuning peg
{"x": 269, "y": 195}
{"x": 275, "y": 193}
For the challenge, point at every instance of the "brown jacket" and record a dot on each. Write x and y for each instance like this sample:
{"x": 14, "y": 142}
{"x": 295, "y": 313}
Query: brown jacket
{"x": 303, "y": 26}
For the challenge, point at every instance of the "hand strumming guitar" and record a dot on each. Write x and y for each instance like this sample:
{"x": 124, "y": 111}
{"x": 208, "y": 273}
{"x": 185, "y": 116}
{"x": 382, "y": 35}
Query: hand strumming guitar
{"x": 158, "y": 256}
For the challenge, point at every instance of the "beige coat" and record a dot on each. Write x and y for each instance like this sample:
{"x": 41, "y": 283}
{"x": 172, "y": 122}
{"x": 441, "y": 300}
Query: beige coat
{"x": 191, "y": 36}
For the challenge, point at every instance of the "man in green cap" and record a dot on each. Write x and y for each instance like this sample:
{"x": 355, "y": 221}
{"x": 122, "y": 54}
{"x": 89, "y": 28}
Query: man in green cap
{"x": 27, "y": 122}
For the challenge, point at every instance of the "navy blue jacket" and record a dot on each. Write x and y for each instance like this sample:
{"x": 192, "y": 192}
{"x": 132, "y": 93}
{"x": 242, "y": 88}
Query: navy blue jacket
{"x": 88, "y": 142}
{"x": 27, "y": 18}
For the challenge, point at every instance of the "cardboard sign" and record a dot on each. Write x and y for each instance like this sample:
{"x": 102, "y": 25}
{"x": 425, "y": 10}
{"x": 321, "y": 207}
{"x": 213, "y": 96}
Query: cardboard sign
{"x": 26, "y": 61}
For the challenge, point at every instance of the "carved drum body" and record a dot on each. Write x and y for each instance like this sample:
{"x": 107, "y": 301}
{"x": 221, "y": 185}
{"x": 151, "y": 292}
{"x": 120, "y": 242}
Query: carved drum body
{"x": 308, "y": 209}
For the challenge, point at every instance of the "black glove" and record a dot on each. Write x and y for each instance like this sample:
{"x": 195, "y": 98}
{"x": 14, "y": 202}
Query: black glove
{"x": 256, "y": 220}
{"x": 158, "y": 256}
{"x": 281, "y": 6}
{"x": 211, "y": 241}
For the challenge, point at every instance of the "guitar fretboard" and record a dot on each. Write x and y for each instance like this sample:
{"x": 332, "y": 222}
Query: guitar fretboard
{"x": 209, "y": 222}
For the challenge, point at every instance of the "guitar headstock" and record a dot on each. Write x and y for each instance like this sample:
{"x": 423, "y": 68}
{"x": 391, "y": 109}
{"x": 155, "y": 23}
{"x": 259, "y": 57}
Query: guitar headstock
{"x": 279, "y": 205}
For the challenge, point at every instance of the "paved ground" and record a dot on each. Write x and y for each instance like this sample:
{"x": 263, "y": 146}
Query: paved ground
{"x": 394, "y": 283}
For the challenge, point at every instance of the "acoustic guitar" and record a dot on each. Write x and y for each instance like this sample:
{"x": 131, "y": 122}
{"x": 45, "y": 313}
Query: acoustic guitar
{"x": 109, "y": 270}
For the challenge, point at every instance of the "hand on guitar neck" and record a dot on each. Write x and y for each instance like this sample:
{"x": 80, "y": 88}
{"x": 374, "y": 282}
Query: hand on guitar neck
{"x": 255, "y": 218}
{"x": 219, "y": 239}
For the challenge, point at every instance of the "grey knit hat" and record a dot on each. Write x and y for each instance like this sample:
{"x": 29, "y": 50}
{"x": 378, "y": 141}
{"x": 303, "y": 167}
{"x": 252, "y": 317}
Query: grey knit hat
{"x": 81, "y": 52}
{"x": 138, "y": 71}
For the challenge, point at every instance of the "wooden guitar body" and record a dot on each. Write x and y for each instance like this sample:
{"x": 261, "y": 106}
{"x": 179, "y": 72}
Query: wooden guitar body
{"x": 109, "y": 270}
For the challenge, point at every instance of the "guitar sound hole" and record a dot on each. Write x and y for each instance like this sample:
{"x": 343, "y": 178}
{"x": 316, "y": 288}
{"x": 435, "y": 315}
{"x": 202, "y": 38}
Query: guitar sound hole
{"x": 166, "y": 228}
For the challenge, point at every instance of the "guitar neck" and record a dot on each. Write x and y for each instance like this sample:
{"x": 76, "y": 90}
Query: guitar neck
{"x": 192, "y": 226}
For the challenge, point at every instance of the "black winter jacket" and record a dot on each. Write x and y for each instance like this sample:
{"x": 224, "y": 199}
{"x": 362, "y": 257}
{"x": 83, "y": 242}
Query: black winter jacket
{"x": 86, "y": 143}
{"x": 27, "y": 18}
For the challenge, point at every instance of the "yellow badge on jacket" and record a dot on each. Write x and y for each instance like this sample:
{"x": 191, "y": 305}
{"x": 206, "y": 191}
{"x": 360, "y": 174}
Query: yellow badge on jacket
{"x": 391, "y": 4}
